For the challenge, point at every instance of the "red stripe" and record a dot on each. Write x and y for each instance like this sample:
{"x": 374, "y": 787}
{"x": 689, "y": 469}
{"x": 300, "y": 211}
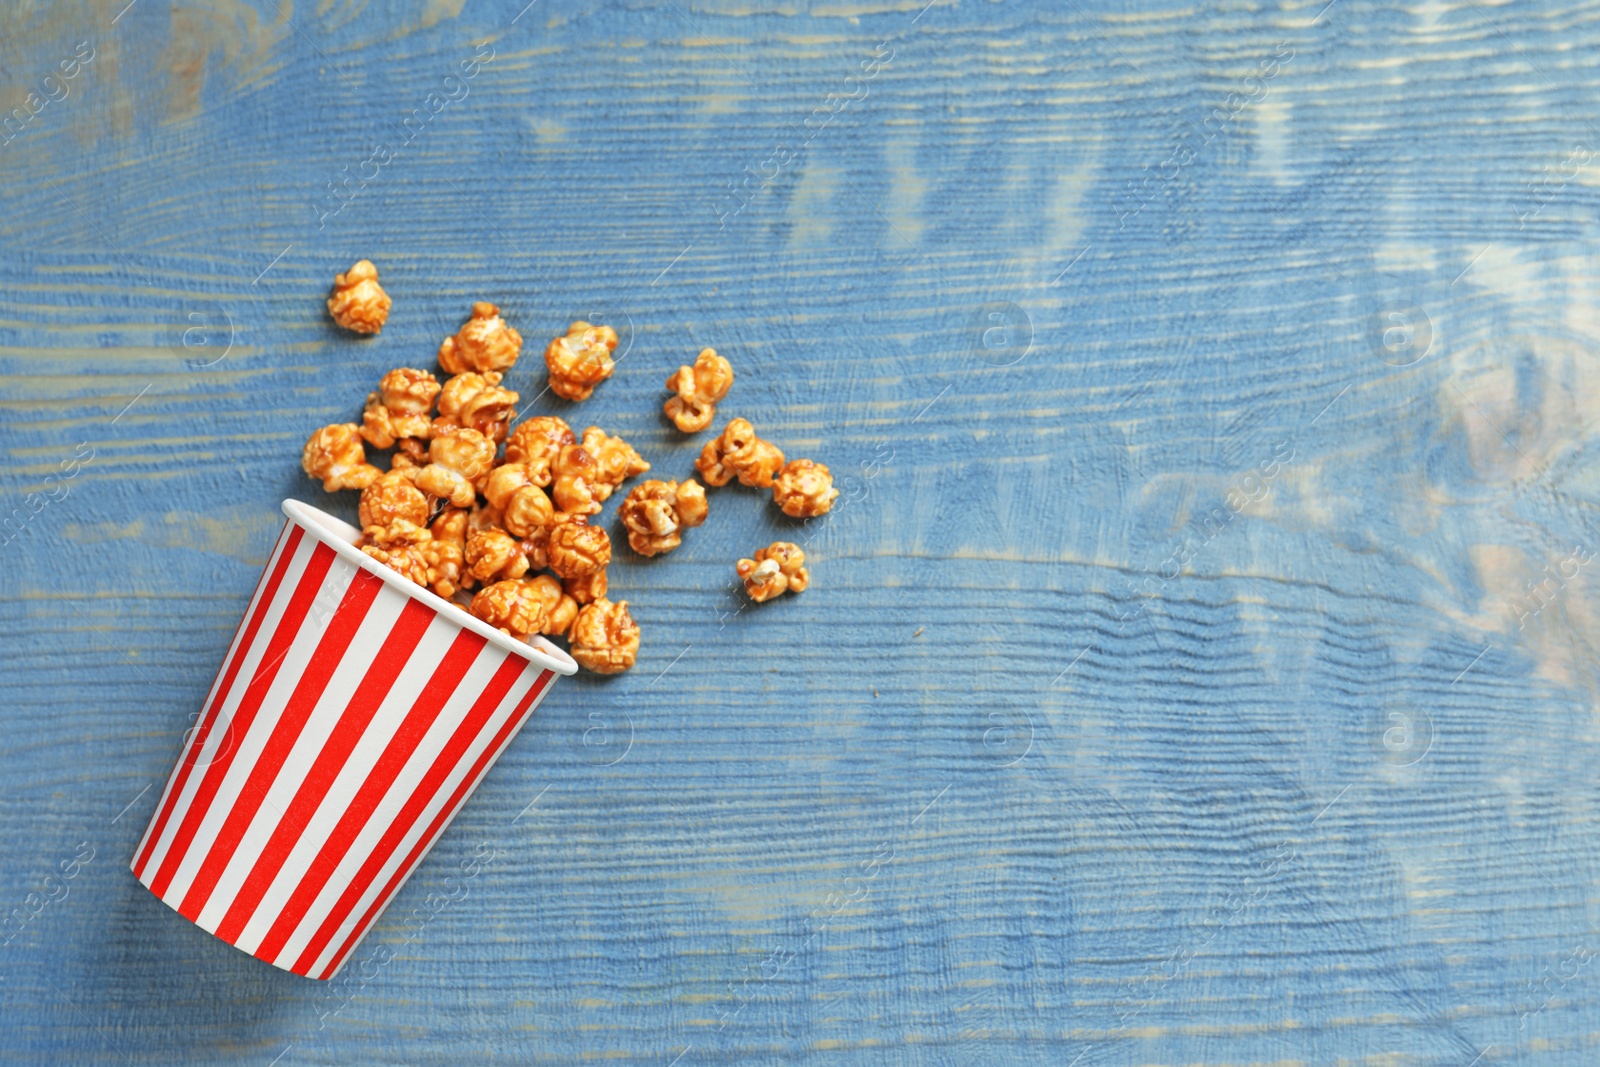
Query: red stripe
{"x": 443, "y": 767}
{"x": 241, "y": 652}
{"x": 337, "y": 635}
{"x": 407, "y": 736}
{"x": 373, "y": 688}
{"x": 266, "y": 671}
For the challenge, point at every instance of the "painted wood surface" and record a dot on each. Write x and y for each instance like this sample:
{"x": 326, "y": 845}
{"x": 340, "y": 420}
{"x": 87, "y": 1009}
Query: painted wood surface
{"x": 1200, "y": 669}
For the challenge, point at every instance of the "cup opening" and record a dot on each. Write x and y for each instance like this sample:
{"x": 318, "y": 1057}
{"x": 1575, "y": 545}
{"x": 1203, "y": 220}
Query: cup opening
{"x": 342, "y": 537}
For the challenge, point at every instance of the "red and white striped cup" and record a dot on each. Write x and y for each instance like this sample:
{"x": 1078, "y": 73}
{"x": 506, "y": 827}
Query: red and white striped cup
{"x": 353, "y": 715}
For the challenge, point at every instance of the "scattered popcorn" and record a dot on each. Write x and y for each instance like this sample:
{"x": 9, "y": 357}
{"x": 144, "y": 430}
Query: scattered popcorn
{"x": 604, "y": 638}
{"x": 401, "y": 408}
{"x": 501, "y": 522}
{"x": 459, "y": 464}
{"x": 656, "y": 514}
{"x": 483, "y": 343}
{"x": 536, "y": 442}
{"x": 778, "y": 568}
{"x": 393, "y": 496}
{"x": 577, "y": 549}
{"x": 587, "y": 588}
{"x": 477, "y": 401}
{"x": 737, "y": 451}
{"x": 581, "y": 360}
{"x": 334, "y": 456}
{"x": 615, "y": 461}
{"x": 804, "y": 489}
{"x": 699, "y": 388}
{"x": 522, "y": 505}
{"x": 358, "y": 302}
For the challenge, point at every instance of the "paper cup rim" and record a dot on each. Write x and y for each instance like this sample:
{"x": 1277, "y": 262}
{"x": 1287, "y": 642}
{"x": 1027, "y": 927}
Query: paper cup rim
{"x": 340, "y": 536}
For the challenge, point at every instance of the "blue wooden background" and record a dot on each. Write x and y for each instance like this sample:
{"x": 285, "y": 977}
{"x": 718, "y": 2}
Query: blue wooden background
{"x": 1200, "y": 670}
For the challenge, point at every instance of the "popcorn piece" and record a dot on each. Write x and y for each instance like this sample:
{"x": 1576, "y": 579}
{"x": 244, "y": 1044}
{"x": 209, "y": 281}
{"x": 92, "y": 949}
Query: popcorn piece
{"x": 577, "y": 487}
{"x": 523, "y": 506}
{"x": 450, "y": 541}
{"x": 401, "y": 408}
{"x": 604, "y": 638}
{"x": 358, "y": 302}
{"x": 523, "y": 606}
{"x": 737, "y": 451}
{"x": 406, "y": 547}
{"x": 477, "y": 401}
{"x": 393, "y": 496}
{"x": 334, "y": 455}
{"x": 588, "y": 588}
{"x": 804, "y": 489}
{"x": 578, "y": 549}
{"x": 558, "y": 616}
{"x": 656, "y": 514}
{"x": 460, "y": 462}
{"x": 699, "y": 388}
{"x": 581, "y": 360}
{"x": 778, "y": 568}
{"x": 615, "y": 461}
{"x": 494, "y": 555}
{"x": 536, "y": 442}
{"x": 410, "y": 454}
{"x": 483, "y": 343}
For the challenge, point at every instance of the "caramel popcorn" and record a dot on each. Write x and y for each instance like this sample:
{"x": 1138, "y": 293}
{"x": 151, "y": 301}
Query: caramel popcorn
{"x": 523, "y": 606}
{"x": 656, "y": 514}
{"x": 577, "y": 549}
{"x": 737, "y": 451}
{"x": 587, "y": 588}
{"x": 536, "y": 442}
{"x": 459, "y": 463}
{"x": 449, "y": 532}
{"x": 495, "y": 555}
{"x": 410, "y": 454}
{"x": 577, "y": 487}
{"x": 393, "y": 496}
{"x": 804, "y": 489}
{"x": 358, "y": 302}
{"x": 522, "y": 505}
{"x": 699, "y": 388}
{"x": 401, "y": 407}
{"x": 477, "y": 401}
{"x": 334, "y": 455}
{"x": 604, "y": 638}
{"x": 615, "y": 461}
{"x": 483, "y": 343}
{"x": 406, "y": 547}
{"x": 558, "y": 616}
{"x": 778, "y": 568}
{"x": 581, "y": 360}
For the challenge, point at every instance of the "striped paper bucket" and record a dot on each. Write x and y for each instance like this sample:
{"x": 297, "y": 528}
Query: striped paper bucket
{"x": 353, "y": 715}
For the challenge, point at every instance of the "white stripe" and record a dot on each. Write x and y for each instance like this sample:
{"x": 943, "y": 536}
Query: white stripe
{"x": 411, "y": 777}
{"x": 249, "y": 747}
{"x": 493, "y": 727}
{"x": 375, "y": 628}
{"x": 218, "y": 734}
{"x": 233, "y": 647}
{"x": 408, "y": 684}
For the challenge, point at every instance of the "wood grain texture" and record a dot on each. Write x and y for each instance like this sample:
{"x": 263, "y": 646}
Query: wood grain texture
{"x": 1175, "y": 665}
